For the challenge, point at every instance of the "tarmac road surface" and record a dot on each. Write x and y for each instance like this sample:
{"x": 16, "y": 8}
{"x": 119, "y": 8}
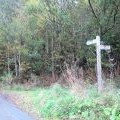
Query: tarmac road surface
{"x": 8, "y": 111}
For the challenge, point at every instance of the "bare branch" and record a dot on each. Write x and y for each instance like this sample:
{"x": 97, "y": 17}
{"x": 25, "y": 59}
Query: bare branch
{"x": 92, "y": 9}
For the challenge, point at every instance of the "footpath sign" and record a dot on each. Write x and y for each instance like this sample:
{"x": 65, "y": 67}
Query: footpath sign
{"x": 99, "y": 47}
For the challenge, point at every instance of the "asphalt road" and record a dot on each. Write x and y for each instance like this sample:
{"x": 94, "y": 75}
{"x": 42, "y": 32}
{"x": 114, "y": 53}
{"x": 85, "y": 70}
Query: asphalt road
{"x": 8, "y": 111}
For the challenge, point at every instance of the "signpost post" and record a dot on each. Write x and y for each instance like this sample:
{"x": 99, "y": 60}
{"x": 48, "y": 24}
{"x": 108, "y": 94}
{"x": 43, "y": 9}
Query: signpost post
{"x": 99, "y": 47}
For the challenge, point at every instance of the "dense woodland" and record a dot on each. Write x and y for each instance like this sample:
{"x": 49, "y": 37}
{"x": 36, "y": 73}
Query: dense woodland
{"x": 45, "y": 37}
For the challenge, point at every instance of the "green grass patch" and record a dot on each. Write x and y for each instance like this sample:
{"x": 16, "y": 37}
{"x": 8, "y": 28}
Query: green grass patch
{"x": 57, "y": 102}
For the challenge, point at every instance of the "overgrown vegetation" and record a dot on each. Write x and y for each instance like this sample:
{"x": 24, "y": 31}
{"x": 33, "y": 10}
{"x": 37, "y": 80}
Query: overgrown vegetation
{"x": 57, "y": 102}
{"x": 40, "y": 36}
{"x": 60, "y": 103}
{"x": 44, "y": 41}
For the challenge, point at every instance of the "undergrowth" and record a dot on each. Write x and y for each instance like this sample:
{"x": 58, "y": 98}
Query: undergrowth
{"x": 59, "y": 103}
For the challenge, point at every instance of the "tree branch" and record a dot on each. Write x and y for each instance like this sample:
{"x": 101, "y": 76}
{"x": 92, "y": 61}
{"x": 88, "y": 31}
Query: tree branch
{"x": 92, "y": 9}
{"x": 116, "y": 12}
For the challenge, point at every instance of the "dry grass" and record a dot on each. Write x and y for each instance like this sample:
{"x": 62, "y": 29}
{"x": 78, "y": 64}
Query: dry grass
{"x": 75, "y": 81}
{"x": 24, "y": 100}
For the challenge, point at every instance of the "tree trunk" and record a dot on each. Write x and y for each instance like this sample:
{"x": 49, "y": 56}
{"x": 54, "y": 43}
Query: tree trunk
{"x": 19, "y": 64}
{"x": 47, "y": 42}
{"x": 15, "y": 65}
{"x": 53, "y": 73}
{"x": 8, "y": 63}
{"x": 8, "y": 59}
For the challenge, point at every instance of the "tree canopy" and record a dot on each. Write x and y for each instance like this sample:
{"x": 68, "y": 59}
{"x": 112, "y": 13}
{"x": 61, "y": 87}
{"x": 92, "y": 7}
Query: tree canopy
{"x": 40, "y": 36}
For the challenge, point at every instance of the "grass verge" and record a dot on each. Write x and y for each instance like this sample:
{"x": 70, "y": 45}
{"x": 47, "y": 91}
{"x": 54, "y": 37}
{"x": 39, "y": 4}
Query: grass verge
{"x": 57, "y": 103}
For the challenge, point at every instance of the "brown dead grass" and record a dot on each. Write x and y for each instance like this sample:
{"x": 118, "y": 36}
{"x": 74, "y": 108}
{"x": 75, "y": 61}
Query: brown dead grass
{"x": 23, "y": 102}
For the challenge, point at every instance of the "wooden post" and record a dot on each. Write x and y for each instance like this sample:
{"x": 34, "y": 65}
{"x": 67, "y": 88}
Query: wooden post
{"x": 98, "y": 52}
{"x": 99, "y": 68}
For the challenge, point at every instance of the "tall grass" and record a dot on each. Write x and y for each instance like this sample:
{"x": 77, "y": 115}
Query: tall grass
{"x": 79, "y": 101}
{"x": 59, "y": 103}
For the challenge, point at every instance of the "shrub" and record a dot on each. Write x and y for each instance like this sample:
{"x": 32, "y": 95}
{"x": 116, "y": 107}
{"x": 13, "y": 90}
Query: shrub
{"x": 6, "y": 78}
{"x": 57, "y": 102}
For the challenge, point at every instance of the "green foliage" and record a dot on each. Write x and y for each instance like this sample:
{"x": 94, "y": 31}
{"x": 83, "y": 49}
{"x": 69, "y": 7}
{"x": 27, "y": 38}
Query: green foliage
{"x": 6, "y": 78}
{"x": 17, "y": 88}
{"x": 57, "y": 102}
{"x": 48, "y": 33}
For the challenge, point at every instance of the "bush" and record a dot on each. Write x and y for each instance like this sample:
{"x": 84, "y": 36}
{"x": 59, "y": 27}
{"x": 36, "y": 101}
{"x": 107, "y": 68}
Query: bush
{"x": 6, "y": 79}
{"x": 57, "y": 102}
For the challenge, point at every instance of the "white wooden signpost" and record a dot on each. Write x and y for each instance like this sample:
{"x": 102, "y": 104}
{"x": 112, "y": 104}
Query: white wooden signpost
{"x": 99, "y": 47}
